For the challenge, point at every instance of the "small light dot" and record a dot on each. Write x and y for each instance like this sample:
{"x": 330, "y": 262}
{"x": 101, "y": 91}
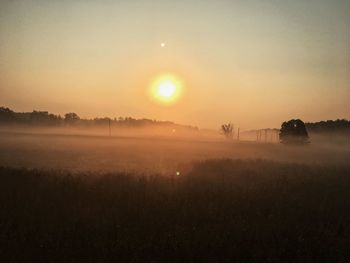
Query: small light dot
{"x": 178, "y": 173}
{"x": 162, "y": 44}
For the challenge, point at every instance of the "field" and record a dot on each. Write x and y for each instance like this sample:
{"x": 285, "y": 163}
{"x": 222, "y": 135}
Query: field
{"x": 84, "y": 198}
{"x": 76, "y": 151}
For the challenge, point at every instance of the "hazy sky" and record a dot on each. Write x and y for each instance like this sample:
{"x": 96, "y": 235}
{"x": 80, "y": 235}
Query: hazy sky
{"x": 252, "y": 62}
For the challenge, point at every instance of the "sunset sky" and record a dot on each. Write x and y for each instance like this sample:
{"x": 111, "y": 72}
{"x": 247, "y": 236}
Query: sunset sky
{"x": 254, "y": 63}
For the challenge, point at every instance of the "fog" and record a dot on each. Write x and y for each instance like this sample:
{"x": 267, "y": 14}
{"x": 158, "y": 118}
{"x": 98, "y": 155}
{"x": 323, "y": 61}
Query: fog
{"x": 147, "y": 150}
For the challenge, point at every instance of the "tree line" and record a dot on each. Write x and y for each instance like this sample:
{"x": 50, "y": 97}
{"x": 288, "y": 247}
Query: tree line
{"x": 8, "y": 116}
{"x": 339, "y": 125}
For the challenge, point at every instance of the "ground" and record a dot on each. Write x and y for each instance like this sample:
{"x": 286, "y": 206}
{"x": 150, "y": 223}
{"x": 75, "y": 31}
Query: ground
{"x": 92, "y": 198}
{"x": 89, "y": 152}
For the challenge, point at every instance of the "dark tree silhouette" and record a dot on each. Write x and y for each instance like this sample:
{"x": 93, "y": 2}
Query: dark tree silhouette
{"x": 6, "y": 115}
{"x": 44, "y": 118}
{"x": 294, "y": 131}
{"x": 227, "y": 130}
{"x": 71, "y": 117}
{"x": 329, "y": 126}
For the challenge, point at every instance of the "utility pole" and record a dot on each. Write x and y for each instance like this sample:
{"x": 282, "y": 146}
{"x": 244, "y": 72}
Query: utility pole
{"x": 109, "y": 125}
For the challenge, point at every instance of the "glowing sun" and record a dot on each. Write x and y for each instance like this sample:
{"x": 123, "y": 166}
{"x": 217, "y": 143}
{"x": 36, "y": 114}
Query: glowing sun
{"x": 166, "y": 89}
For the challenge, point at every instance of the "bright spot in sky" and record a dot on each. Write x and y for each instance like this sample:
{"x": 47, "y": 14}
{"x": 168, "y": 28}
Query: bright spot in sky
{"x": 166, "y": 89}
{"x": 162, "y": 44}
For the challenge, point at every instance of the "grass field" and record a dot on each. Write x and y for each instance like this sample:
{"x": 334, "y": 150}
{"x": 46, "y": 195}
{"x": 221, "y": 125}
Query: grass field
{"x": 84, "y": 198}
{"x": 221, "y": 211}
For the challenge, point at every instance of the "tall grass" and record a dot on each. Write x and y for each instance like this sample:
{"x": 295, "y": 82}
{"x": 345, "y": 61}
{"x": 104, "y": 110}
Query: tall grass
{"x": 220, "y": 211}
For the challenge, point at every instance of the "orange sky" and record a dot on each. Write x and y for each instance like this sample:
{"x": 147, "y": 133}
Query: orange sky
{"x": 254, "y": 63}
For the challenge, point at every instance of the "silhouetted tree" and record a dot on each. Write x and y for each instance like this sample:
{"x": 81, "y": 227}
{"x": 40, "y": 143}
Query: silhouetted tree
{"x": 294, "y": 131}
{"x": 102, "y": 121}
{"x": 6, "y": 115}
{"x": 71, "y": 117}
{"x": 227, "y": 130}
{"x": 329, "y": 126}
{"x": 45, "y": 118}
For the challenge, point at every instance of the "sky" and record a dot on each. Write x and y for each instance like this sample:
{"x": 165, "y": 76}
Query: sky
{"x": 250, "y": 62}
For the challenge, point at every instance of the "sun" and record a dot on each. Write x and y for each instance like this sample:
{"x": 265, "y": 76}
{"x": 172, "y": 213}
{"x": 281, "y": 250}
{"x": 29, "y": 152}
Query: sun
{"x": 166, "y": 89}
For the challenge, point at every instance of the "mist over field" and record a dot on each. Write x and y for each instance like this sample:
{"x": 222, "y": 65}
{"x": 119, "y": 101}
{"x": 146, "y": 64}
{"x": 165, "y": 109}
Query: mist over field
{"x": 174, "y": 131}
{"x": 160, "y": 150}
{"x": 147, "y": 191}
{"x": 141, "y": 190}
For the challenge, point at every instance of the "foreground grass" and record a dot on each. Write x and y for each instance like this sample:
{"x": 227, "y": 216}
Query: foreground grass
{"x": 221, "y": 211}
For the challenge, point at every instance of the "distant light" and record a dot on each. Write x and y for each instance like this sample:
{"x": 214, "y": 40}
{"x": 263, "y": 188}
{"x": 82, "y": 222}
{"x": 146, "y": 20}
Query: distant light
{"x": 177, "y": 173}
{"x": 162, "y": 44}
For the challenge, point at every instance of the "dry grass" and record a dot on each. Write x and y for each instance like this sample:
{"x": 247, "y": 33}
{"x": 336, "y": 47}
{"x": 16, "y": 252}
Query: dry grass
{"x": 221, "y": 211}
